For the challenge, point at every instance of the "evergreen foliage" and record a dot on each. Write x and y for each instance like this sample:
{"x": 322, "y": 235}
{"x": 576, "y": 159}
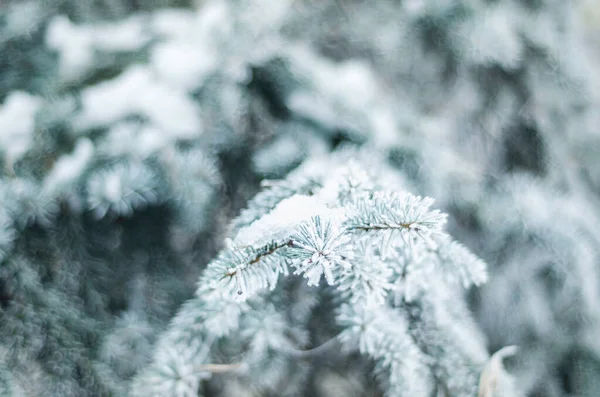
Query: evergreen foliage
{"x": 377, "y": 253}
{"x": 235, "y": 198}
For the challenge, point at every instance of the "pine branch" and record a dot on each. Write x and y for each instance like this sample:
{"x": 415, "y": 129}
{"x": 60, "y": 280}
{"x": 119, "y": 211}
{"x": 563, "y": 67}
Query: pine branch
{"x": 252, "y": 262}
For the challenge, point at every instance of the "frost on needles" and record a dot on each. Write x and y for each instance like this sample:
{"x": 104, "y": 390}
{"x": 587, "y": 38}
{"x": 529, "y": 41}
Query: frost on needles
{"x": 339, "y": 242}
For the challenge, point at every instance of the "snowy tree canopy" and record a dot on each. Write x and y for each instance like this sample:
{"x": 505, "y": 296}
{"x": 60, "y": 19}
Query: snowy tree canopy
{"x": 299, "y": 198}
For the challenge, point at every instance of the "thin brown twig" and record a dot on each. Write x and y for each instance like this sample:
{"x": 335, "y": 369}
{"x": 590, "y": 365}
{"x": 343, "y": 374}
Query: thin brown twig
{"x": 219, "y": 368}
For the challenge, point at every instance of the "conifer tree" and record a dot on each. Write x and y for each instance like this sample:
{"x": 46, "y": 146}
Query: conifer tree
{"x": 233, "y": 198}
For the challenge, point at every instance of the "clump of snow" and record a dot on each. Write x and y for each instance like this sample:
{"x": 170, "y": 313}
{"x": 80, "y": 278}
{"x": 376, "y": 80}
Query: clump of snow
{"x": 307, "y": 104}
{"x": 21, "y": 18}
{"x": 184, "y": 65}
{"x": 214, "y": 20}
{"x": 348, "y": 88}
{"x": 415, "y": 7}
{"x": 191, "y": 47}
{"x": 493, "y": 39}
{"x": 137, "y": 91}
{"x": 287, "y": 215}
{"x": 17, "y": 123}
{"x": 76, "y": 45}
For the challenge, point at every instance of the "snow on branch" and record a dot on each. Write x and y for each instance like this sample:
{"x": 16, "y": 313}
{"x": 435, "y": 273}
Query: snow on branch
{"x": 396, "y": 216}
{"x": 250, "y": 269}
{"x": 344, "y": 242}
